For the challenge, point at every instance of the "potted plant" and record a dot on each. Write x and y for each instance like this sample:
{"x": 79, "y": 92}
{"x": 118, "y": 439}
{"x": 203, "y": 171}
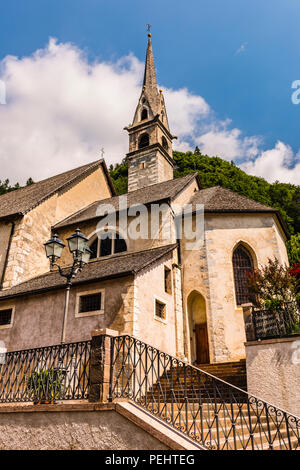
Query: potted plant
{"x": 45, "y": 386}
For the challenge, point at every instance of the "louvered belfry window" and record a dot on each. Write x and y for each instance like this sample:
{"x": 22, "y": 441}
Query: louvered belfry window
{"x": 242, "y": 264}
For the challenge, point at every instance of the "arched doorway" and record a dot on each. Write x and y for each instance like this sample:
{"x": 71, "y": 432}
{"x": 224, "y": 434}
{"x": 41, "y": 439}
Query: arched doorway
{"x": 198, "y": 328}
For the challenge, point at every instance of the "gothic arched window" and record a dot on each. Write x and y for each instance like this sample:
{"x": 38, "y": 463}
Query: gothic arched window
{"x": 144, "y": 114}
{"x": 242, "y": 264}
{"x": 107, "y": 243}
{"x": 144, "y": 141}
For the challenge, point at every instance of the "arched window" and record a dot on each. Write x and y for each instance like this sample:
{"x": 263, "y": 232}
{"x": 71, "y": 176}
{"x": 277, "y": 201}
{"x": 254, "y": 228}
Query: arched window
{"x": 144, "y": 141}
{"x": 164, "y": 142}
{"x": 144, "y": 114}
{"x": 107, "y": 243}
{"x": 242, "y": 264}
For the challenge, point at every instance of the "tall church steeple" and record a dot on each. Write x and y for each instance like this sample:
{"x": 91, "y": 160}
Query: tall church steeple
{"x": 150, "y": 141}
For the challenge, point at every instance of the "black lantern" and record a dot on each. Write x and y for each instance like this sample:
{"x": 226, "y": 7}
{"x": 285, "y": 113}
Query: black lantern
{"x": 54, "y": 248}
{"x": 86, "y": 255}
{"x": 77, "y": 243}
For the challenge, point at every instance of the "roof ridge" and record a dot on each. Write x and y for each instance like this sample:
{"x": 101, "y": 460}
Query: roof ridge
{"x": 51, "y": 177}
{"x": 20, "y": 201}
{"x": 186, "y": 178}
{"x": 110, "y": 267}
{"x": 245, "y": 197}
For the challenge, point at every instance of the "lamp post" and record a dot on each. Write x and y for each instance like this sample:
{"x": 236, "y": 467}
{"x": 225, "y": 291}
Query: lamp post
{"x": 81, "y": 255}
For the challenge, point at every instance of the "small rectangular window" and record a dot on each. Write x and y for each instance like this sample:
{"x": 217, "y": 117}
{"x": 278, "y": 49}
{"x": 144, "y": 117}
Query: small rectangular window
{"x": 168, "y": 280}
{"x": 90, "y": 303}
{"x": 160, "y": 310}
{"x": 5, "y": 317}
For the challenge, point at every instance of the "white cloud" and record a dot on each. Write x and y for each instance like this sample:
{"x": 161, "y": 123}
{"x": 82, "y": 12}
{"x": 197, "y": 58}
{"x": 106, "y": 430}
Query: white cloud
{"x": 61, "y": 110}
{"x": 228, "y": 143}
{"x": 279, "y": 163}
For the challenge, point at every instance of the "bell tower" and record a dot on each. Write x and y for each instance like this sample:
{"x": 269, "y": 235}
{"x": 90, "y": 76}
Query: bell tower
{"x": 150, "y": 158}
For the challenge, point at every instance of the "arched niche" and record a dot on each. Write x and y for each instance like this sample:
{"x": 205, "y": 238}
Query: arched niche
{"x": 198, "y": 328}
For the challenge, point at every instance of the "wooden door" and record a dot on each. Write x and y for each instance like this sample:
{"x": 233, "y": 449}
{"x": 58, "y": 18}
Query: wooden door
{"x": 202, "y": 351}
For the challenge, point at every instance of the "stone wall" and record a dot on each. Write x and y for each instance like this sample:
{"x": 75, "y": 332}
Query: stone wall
{"x": 27, "y": 257}
{"x": 5, "y": 231}
{"x": 273, "y": 371}
{"x": 164, "y": 236}
{"x": 209, "y": 271}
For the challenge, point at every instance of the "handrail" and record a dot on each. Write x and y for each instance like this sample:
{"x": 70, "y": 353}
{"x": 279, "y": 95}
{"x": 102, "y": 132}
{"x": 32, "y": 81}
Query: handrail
{"x": 206, "y": 408}
{"x": 46, "y": 374}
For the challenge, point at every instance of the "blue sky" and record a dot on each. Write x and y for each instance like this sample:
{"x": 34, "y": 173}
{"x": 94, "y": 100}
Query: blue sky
{"x": 241, "y": 57}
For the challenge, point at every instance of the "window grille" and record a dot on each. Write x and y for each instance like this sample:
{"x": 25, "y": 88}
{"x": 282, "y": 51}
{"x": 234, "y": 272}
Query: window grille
{"x": 160, "y": 310}
{"x": 5, "y": 316}
{"x": 242, "y": 264}
{"x": 90, "y": 303}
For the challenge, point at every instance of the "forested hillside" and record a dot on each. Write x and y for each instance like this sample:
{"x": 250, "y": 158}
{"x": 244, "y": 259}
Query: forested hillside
{"x": 214, "y": 171}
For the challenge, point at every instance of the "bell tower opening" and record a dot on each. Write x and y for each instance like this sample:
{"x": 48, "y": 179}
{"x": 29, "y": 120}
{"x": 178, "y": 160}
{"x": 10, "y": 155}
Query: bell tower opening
{"x": 144, "y": 114}
{"x": 144, "y": 140}
{"x": 150, "y": 156}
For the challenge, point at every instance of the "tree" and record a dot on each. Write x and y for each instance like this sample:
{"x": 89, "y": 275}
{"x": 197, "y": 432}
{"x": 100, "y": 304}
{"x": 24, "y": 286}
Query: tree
{"x": 273, "y": 285}
{"x": 293, "y": 248}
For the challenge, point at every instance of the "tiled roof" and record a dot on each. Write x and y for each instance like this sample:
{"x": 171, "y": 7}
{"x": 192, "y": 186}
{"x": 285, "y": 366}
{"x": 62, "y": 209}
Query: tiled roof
{"x": 222, "y": 200}
{"x": 22, "y": 200}
{"x": 218, "y": 199}
{"x": 156, "y": 192}
{"x": 116, "y": 266}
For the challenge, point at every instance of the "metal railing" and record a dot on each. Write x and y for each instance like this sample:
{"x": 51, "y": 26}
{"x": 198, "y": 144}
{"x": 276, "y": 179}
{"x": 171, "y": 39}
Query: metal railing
{"x": 212, "y": 412}
{"x": 46, "y": 374}
{"x": 276, "y": 322}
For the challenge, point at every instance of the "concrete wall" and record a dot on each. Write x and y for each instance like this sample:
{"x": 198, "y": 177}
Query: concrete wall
{"x": 67, "y": 430}
{"x": 128, "y": 308}
{"x": 273, "y": 371}
{"x": 38, "y": 318}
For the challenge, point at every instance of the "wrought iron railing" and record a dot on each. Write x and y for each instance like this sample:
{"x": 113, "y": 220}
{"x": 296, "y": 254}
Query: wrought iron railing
{"x": 276, "y": 322}
{"x": 207, "y": 409}
{"x": 46, "y": 374}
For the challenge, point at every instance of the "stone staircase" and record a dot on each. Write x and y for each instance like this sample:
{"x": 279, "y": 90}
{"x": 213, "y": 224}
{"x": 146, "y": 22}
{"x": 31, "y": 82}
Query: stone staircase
{"x": 231, "y": 372}
{"x": 188, "y": 385}
{"x": 218, "y": 415}
{"x": 209, "y": 403}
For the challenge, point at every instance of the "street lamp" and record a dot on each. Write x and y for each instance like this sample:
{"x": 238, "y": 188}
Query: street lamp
{"x": 81, "y": 255}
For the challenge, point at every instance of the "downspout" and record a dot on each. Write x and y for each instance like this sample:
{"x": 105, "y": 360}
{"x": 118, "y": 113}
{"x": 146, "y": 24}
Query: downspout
{"x": 12, "y": 231}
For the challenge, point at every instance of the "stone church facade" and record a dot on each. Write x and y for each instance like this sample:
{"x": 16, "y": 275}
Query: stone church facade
{"x": 187, "y": 302}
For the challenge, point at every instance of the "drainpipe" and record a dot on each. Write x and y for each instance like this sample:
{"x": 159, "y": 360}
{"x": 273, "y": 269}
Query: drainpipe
{"x": 12, "y": 231}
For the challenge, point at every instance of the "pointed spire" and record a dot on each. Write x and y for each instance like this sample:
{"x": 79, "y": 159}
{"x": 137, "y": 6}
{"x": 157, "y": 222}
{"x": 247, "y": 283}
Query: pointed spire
{"x": 149, "y": 74}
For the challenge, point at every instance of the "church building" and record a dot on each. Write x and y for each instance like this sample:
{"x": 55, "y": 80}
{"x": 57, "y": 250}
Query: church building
{"x": 186, "y": 302}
